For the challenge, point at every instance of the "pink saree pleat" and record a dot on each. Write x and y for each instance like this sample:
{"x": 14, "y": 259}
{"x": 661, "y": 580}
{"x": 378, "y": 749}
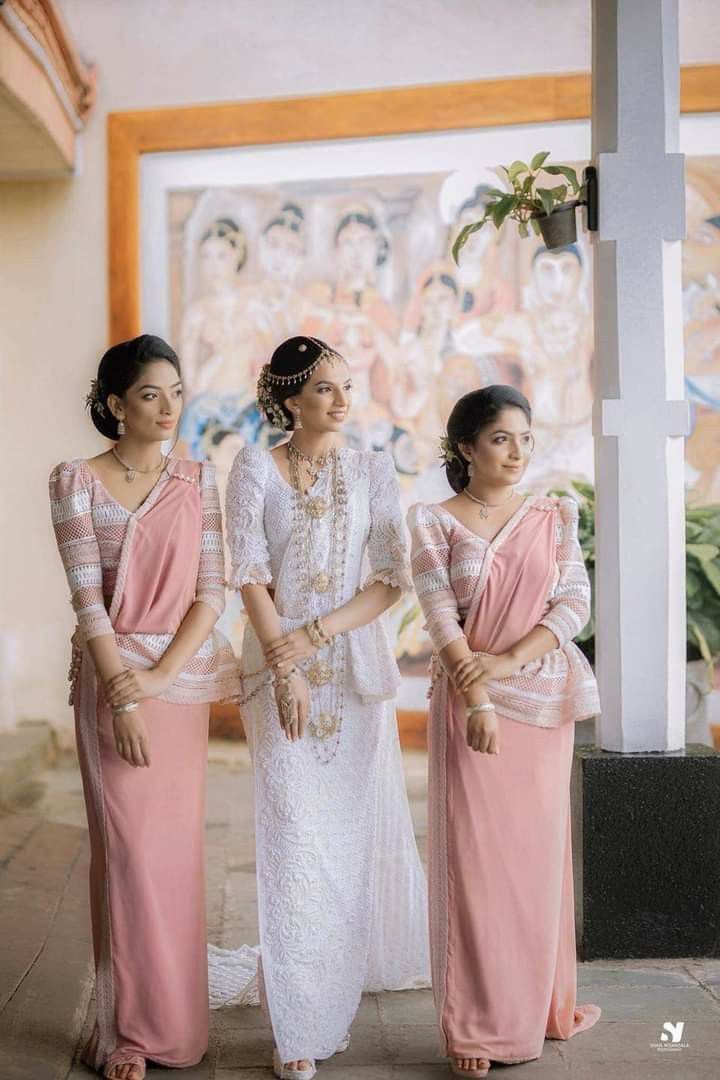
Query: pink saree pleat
{"x": 500, "y": 865}
{"x": 146, "y": 825}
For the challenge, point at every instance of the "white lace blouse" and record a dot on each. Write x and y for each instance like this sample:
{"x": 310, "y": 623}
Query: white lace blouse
{"x": 264, "y": 540}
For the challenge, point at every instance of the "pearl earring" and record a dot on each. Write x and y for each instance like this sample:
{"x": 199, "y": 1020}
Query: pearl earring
{"x": 121, "y": 427}
{"x": 298, "y": 422}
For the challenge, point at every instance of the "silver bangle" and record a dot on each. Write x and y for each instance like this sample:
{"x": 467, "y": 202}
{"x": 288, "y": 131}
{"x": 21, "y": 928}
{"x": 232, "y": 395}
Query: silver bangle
{"x": 485, "y": 707}
{"x": 130, "y": 707}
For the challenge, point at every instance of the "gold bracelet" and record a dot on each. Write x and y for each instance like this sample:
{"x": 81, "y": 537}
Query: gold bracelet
{"x": 317, "y": 633}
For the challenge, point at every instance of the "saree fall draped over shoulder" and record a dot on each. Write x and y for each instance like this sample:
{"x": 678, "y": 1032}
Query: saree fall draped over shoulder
{"x": 136, "y": 575}
{"x": 341, "y": 892}
{"x": 501, "y": 892}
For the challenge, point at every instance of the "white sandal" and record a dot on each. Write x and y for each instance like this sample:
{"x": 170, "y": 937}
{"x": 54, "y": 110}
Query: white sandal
{"x": 283, "y": 1072}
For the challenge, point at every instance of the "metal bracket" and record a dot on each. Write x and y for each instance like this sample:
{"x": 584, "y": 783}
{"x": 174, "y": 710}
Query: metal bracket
{"x": 590, "y": 182}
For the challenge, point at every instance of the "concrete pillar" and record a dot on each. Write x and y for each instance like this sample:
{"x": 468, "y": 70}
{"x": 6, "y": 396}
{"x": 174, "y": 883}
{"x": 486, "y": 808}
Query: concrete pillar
{"x": 640, "y": 411}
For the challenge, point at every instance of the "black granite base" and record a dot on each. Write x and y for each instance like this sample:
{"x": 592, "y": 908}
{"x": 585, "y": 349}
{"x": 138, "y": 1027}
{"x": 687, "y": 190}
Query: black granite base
{"x": 646, "y": 853}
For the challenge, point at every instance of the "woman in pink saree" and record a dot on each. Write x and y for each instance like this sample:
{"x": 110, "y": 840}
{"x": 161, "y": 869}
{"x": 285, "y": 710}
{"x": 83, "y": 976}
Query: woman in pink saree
{"x": 503, "y": 586}
{"x": 140, "y": 537}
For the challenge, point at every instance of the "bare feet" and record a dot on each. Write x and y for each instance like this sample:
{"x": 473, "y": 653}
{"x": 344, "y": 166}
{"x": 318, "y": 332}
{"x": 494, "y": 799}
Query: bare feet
{"x": 472, "y": 1065}
{"x": 300, "y": 1066}
{"x": 126, "y": 1070}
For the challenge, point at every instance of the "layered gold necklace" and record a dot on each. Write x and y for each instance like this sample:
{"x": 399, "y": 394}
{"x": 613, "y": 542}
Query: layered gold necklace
{"x": 309, "y": 510}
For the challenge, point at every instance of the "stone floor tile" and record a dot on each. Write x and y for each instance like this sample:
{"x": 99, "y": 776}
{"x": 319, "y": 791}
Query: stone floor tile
{"x": 410, "y": 1043}
{"x": 625, "y": 977}
{"x": 655, "y": 1004}
{"x": 407, "y": 1007}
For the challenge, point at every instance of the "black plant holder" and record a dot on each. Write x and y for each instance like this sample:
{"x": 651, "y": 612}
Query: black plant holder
{"x": 590, "y": 181}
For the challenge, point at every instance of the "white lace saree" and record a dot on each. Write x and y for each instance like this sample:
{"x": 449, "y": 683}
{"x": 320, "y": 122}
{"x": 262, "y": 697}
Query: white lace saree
{"x": 341, "y": 892}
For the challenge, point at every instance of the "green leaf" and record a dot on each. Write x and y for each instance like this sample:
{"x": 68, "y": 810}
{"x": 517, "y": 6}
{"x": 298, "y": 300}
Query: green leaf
{"x": 700, "y": 641}
{"x": 501, "y": 209}
{"x": 523, "y": 230}
{"x": 539, "y": 159}
{"x": 567, "y": 172}
{"x": 516, "y": 168}
{"x": 546, "y": 200}
{"x": 559, "y": 193}
{"x": 703, "y": 552}
{"x": 535, "y": 226}
{"x": 464, "y": 235}
{"x": 409, "y": 618}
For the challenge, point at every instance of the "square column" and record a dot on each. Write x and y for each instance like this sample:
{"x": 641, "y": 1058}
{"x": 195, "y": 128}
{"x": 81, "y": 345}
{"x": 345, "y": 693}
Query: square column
{"x": 646, "y": 811}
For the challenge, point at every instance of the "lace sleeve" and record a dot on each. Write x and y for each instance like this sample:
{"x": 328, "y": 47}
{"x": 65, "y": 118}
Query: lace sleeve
{"x": 430, "y": 557}
{"x": 70, "y": 508}
{"x": 244, "y": 507}
{"x": 386, "y": 546}
{"x": 569, "y": 601}
{"x": 210, "y": 587}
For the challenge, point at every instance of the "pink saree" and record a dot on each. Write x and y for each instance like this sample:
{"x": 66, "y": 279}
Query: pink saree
{"x": 500, "y": 869}
{"x": 146, "y": 825}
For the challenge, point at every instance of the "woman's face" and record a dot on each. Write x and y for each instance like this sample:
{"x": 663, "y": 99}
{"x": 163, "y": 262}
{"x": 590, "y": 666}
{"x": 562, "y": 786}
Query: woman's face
{"x": 501, "y": 452}
{"x": 557, "y": 277}
{"x": 439, "y": 304}
{"x": 324, "y": 401}
{"x": 357, "y": 253}
{"x": 151, "y": 407}
{"x": 281, "y": 253}
{"x": 218, "y": 262}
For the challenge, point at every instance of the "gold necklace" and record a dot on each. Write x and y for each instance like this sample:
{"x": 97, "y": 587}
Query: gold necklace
{"x": 485, "y": 506}
{"x": 315, "y": 465}
{"x": 132, "y": 470}
{"x": 325, "y": 726}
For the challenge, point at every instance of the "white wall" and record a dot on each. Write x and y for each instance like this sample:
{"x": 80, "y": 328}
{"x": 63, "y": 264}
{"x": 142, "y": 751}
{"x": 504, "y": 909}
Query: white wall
{"x": 53, "y": 276}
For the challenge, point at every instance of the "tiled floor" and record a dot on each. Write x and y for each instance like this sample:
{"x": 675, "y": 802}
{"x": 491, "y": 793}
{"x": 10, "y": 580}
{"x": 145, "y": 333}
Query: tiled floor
{"x": 46, "y": 979}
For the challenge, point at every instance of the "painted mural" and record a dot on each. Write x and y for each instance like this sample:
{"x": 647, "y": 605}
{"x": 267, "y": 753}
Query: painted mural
{"x": 365, "y": 265}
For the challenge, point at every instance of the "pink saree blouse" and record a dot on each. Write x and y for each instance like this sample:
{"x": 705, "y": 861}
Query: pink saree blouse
{"x": 532, "y": 573}
{"x": 137, "y": 574}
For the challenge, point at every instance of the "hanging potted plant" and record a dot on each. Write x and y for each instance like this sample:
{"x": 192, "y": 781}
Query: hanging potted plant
{"x": 546, "y": 210}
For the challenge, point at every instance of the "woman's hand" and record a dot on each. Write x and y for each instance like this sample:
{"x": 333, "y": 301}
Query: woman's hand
{"x": 131, "y": 738}
{"x": 132, "y": 685}
{"x": 293, "y": 703}
{"x": 483, "y": 733}
{"x": 290, "y": 648}
{"x": 479, "y": 669}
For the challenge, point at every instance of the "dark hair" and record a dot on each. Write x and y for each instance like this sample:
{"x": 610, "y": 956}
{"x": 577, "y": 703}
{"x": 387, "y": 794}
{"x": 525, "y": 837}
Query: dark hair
{"x": 290, "y": 217}
{"x": 471, "y": 415}
{"x": 293, "y": 356}
{"x": 225, "y": 228}
{"x": 477, "y": 201}
{"x": 119, "y": 369}
{"x": 358, "y": 217}
{"x": 444, "y": 279}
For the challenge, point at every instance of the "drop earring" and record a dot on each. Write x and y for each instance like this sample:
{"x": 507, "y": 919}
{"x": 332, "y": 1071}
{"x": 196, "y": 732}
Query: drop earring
{"x": 471, "y": 469}
{"x": 297, "y": 426}
{"x": 121, "y": 428}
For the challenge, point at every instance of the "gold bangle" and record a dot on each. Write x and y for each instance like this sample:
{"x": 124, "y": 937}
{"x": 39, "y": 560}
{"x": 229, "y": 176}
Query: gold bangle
{"x": 317, "y": 633}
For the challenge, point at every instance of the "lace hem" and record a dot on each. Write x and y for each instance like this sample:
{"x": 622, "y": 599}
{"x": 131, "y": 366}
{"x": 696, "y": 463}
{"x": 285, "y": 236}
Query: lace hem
{"x": 249, "y": 575}
{"x": 396, "y": 577}
{"x": 233, "y": 976}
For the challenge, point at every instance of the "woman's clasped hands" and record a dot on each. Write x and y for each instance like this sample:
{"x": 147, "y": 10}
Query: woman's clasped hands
{"x": 480, "y": 668}
{"x": 124, "y": 693}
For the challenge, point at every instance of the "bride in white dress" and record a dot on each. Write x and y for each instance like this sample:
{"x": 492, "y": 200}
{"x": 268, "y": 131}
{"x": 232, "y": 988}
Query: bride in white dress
{"x": 318, "y": 550}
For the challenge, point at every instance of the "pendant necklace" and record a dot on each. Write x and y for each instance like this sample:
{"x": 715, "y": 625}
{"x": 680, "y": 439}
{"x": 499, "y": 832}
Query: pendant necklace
{"x": 132, "y": 470}
{"x": 486, "y": 507}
